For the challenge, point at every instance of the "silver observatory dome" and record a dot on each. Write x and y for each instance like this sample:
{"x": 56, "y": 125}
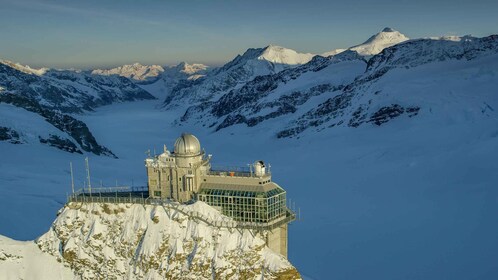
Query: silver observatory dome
{"x": 187, "y": 145}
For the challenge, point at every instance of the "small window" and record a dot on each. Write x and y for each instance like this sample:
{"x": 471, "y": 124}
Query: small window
{"x": 157, "y": 193}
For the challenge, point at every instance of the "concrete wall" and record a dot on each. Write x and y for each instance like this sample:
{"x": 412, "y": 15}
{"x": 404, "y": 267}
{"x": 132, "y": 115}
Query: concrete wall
{"x": 276, "y": 240}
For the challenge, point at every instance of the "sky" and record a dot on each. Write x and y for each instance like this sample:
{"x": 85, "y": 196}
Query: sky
{"x": 107, "y": 33}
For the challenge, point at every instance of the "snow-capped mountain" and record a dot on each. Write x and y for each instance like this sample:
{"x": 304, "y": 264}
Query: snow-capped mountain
{"x": 281, "y": 55}
{"x": 375, "y": 44}
{"x": 243, "y": 68}
{"x": 24, "y": 68}
{"x": 271, "y": 96}
{"x": 67, "y": 90}
{"x": 54, "y": 95}
{"x": 185, "y": 71}
{"x": 173, "y": 76}
{"x": 136, "y": 72}
{"x": 130, "y": 241}
{"x": 346, "y": 90}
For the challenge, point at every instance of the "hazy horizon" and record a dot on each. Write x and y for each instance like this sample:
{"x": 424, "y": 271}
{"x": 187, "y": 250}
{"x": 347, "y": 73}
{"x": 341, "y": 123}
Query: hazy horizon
{"x": 106, "y": 34}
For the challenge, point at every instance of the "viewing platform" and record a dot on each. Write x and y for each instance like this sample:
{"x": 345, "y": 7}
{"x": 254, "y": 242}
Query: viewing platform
{"x": 236, "y": 171}
{"x": 139, "y": 195}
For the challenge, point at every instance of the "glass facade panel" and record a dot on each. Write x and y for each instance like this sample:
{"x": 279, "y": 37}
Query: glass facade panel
{"x": 247, "y": 206}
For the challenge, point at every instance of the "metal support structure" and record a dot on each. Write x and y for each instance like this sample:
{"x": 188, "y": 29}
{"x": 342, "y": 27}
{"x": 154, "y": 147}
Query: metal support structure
{"x": 72, "y": 177}
{"x": 88, "y": 175}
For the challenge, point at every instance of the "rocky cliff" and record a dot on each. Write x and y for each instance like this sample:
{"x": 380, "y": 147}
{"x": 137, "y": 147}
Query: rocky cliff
{"x": 131, "y": 241}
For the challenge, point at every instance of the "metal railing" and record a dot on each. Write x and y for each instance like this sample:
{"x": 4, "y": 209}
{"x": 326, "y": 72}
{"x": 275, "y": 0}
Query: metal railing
{"x": 139, "y": 198}
{"x": 118, "y": 189}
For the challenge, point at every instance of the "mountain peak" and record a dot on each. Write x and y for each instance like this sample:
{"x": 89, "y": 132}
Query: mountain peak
{"x": 375, "y": 44}
{"x": 190, "y": 69}
{"x": 281, "y": 55}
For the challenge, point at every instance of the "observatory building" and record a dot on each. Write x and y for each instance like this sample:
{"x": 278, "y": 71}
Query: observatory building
{"x": 246, "y": 194}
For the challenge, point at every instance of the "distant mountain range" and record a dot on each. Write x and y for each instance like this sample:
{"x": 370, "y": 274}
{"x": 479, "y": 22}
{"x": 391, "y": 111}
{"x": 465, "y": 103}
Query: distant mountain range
{"x": 146, "y": 74}
{"x": 348, "y": 87}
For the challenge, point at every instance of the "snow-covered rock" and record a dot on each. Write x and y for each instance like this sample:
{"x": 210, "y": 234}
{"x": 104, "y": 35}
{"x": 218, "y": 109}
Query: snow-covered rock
{"x": 157, "y": 242}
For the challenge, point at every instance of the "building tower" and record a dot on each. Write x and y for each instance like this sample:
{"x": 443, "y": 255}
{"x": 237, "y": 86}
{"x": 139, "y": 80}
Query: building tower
{"x": 246, "y": 194}
{"x": 177, "y": 175}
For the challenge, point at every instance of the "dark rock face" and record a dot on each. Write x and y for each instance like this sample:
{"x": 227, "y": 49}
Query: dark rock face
{"x": 231, "y": 120}
{"x": 61, "y": 144}
{"x": 385, "y": 114}
{"x": 9, "y": 135}
{"x": 325, "y": 112}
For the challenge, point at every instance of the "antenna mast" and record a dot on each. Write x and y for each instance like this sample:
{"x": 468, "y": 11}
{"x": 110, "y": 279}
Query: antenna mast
{"x": 88, "y": 175}
{"x": 72, "y": 177}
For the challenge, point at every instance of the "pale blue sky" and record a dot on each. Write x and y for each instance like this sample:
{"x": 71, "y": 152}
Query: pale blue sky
{"x": 104, "y": 33}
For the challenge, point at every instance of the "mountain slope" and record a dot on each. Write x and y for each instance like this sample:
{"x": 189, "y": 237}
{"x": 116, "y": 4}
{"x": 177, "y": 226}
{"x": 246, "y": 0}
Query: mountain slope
{"x": 24, "y": 260}
{"x": 421, "y": 77}
{"x": 243, "y": 68}
{"x": 345, "y": 90}
{"x": 279, "y": 94}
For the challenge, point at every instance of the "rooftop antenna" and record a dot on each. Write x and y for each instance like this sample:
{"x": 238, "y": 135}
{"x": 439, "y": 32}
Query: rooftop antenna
{"x": 88, "y": 175}
{"x": 165, "y": 149}
{"x": 148, "y": 153}
{"x": 72, "y": 177}
{"x": 154, "y": 151}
